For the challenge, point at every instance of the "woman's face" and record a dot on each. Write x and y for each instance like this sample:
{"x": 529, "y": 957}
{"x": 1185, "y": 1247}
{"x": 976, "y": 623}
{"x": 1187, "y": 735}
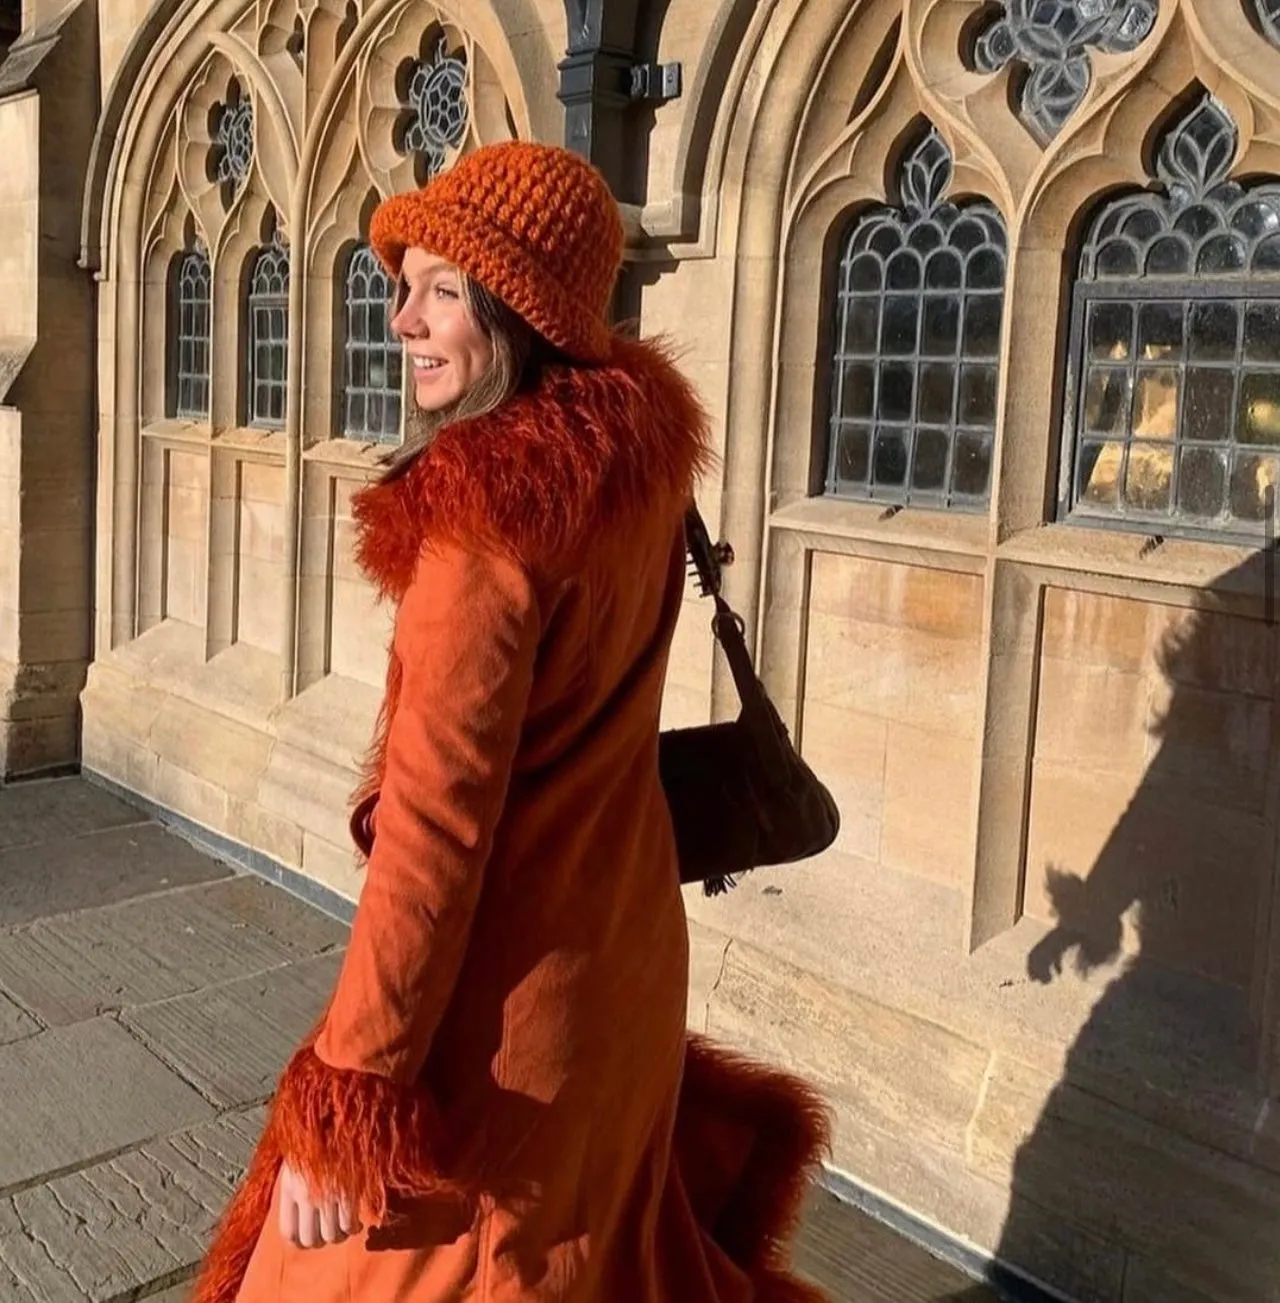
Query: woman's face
{"x": 445, "y": 350}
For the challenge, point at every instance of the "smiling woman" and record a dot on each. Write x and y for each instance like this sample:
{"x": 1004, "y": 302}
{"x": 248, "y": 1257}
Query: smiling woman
{"x": 447, "y": 349}
{"x": 470, "y": 1119}
{"x": 467, "y": 350}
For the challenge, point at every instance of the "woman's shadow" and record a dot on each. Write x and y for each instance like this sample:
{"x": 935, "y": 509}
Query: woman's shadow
{"x": 1143, "y": 1177}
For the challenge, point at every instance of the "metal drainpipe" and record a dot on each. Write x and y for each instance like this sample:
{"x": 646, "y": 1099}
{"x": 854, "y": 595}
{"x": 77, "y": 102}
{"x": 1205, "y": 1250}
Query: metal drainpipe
{"x": 602, "y": 79}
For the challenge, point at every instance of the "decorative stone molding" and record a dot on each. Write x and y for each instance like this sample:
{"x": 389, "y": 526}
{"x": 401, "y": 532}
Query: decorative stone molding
{"x": 1052, "y": 43}
{"x": 413, "y": 97}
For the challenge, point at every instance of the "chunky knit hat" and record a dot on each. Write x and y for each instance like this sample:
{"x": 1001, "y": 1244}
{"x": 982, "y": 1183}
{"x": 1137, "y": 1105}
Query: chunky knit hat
{"x": 534, "y": 224}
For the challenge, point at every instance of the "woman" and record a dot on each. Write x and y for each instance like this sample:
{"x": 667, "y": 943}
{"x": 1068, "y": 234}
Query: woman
{"x": 499, "y": 1103}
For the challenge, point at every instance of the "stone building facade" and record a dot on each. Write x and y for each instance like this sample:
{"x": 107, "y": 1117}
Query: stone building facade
{"x": 984, "y": 299}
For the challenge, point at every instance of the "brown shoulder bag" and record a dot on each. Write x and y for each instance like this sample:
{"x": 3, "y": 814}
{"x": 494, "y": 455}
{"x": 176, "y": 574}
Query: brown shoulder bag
{"x": 741, "y": 797}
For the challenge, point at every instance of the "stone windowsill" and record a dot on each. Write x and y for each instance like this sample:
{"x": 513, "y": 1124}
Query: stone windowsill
{"x": 912, "y": 528}
{"x": 177, "y": 432}
{"x": 1172, "y": 1047}
{"x": 261, "y": 445}
{"x": 331, "y": 719}
{"x": 1190, "y": 563}
{"x": 349, "y": 457}
{"x": 242, "y": 682}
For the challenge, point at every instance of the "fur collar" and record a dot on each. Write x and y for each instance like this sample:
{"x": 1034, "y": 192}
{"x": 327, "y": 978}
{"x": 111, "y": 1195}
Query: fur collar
{"x": 539, "y": 478}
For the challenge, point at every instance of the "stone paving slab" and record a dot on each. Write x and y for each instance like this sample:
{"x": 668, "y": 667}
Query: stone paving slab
{"x": 77, "y": 966}
{"x": 14, "y": 1023}
{"x": 144, "y": 1218}
{"x": 113, "y": 1163}
{"x": 298, "y": 926}
{"x": 232, "y": 1042}
{"x": 857, "y": 1259}
{"x": 54, "y": 877}
{"x": 36, "y": 812}
{"x": 76, "y": 1094}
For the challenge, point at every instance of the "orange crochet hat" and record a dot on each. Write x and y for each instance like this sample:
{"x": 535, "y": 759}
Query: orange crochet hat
{"x": 534, "y": 224}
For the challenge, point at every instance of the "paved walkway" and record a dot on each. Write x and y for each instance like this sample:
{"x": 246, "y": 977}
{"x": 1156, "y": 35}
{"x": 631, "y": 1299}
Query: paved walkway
{"x": 149, "y": 996}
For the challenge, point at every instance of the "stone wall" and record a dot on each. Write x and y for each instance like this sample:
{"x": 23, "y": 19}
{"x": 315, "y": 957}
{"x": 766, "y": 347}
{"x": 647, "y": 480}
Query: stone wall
{"x": 47, "y": 357}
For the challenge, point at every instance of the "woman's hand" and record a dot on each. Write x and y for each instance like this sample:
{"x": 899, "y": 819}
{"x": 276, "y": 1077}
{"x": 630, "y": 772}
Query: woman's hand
{"x": 310, "y": 1223}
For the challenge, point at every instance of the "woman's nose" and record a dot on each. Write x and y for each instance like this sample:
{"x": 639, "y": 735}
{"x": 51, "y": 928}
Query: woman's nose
{"x": 408, "y": 322}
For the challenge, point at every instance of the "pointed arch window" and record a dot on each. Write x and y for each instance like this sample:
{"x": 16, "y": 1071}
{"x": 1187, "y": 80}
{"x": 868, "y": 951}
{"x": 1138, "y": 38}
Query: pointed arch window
{"x": 1173, "y": 398}
{"x": 372, "y": 358}
{"x": 189, "y": 335}
{"x": 919, "y": 301}
{"x": 268, "y": 318}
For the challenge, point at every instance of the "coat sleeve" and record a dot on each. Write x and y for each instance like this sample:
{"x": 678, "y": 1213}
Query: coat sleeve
{"x": 466, "y": 638}
{"x": 349, "y": 1113}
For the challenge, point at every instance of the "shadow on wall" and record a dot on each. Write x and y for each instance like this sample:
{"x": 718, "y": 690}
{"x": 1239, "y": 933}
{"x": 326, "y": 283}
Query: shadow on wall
{"x": 1152, "y": 1172}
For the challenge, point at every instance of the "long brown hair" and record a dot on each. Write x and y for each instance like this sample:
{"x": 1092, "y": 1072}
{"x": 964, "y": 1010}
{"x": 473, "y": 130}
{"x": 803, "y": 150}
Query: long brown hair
{"x": 518, "y": 352}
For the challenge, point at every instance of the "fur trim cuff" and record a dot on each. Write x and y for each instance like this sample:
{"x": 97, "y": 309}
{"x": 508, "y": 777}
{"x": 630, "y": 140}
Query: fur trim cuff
{"x": 358, "y": 1133}
{"x": 364, "y": 1135}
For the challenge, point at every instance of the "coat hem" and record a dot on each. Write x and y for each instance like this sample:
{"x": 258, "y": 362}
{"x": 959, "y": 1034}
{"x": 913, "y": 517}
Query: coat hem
{"x": 749, "y": 1141}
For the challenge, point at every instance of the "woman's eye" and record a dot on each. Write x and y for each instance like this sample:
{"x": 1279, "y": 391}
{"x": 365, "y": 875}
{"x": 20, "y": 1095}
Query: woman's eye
{"x": 446, "y": 292}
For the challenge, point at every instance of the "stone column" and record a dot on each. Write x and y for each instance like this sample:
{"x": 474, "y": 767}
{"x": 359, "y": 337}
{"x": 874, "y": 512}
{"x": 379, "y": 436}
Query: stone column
{"x": 49, "y": 98}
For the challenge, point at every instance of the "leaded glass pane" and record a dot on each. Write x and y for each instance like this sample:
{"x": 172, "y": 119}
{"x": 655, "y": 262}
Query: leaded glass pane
{"x": 1051, "y": 39}
{"x": 972, "y": 474}
{"x": 919, "y": 305}
{"x": 231, "y": 153}
{"x": 373, "y": 366}
{"x": 191, "y": 343}
{"x": 269, "y": 337}
{"x": 1266, "y": 17}
{"x": 1253, "y": 484}
{"x": 436, "y": 109}
{"x": 1262, "y": 332}
{"x": 1177, "y": 420}
{"x": 929, "y": 471}
{"x": 890, "y": 465}
{"x": 1202, "y": 482}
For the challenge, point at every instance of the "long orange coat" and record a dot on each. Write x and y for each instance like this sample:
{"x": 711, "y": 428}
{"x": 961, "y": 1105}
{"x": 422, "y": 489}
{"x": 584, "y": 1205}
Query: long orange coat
{"x": 502, "y": 1075}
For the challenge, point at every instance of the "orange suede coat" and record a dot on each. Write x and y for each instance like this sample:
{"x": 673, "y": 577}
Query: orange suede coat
{"x": 502, "y": 1076}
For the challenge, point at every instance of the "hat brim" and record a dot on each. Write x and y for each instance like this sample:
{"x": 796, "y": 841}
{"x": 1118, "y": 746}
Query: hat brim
{"x": 491, "y": 257}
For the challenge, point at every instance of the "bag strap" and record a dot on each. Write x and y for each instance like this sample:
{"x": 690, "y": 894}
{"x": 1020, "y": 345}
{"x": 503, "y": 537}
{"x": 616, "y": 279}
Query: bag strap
{"x": 730, "y": 633}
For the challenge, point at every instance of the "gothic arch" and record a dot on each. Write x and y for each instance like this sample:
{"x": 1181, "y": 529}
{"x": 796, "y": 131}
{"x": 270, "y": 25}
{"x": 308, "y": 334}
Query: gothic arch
{"x": 315, "y": 88}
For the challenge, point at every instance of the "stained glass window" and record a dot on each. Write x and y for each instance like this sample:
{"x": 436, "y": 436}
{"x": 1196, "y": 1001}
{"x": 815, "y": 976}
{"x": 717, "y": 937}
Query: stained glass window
{"x": 1051, "y": 39}
{"x": 1174, "y": 391}
{"x": 373, "y": 359}
{"x": 915, "y": 369}
{"x": 1266, "y": 17}
{"x": 268, "y": 312}
{"x": 435, "y": 109}
{"x": 231, "y": 154}
{"x": 190, "y": 341}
